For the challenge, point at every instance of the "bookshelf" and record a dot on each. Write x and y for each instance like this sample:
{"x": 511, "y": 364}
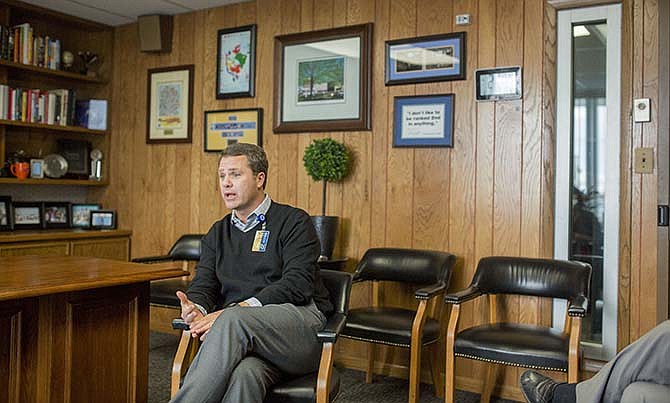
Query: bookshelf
{"x": 40, "y": 139}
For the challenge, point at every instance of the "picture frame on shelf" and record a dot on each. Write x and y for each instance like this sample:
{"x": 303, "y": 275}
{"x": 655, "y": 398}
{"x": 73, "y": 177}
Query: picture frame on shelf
{"x": 103, "y": 219}
{"x": 56, "y": 214}
{"x": 76, "y": 153}
{"x": 423, "y": 121}
{"x": 236, "y": 62}
{"x": 37, "y": 168}
{"x": 498, "y": 84}
{"x": 27, "y": 215}
{"x": 6, "y": 214}
{"x": 80, "y": 214}
{"x": 426, "y": 59}
{"x": 322, "y": 80}
{"x": 169, "y": 104}
{"x": 226, "y": 127}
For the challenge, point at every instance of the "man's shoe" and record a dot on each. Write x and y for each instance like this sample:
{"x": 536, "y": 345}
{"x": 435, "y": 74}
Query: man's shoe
{"x": 537, "y": 388}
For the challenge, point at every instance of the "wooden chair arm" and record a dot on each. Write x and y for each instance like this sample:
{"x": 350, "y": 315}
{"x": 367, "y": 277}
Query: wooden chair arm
{"x": 186, "y": 351}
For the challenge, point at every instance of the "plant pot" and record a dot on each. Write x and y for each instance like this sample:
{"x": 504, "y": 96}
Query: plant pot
{"x": 326, "y": 230}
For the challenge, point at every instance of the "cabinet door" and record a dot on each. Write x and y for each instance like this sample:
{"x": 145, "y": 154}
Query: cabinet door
{"x": 114, "y": 248}
{"x": 35, "y": 248}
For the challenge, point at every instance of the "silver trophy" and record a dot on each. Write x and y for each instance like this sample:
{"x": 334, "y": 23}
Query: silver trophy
{"x": 96, "y": 165}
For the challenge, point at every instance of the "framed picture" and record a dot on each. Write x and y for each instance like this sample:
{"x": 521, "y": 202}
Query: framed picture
{"x": 426, "y": 59}
{"x": 497, "y": 84}
{"x": 170, "y": 104}
{"x": 6, "y": 213}
{"x": 56, "y": 214}
{"x": 27, "y": 215}
{"x": 423, "y": 121}
{"x": 103, "y": 219}
{"x": 80, "y": 215}
{"x": 236, "y": 62}
{"x": 226, "y": 127}
{"x": 322, "y": 80}
{"x": 37, "y": 168}
{"x": 76, "y": 153}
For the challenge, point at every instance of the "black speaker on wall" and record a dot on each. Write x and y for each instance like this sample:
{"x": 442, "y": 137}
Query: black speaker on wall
{"x": 155, "y": 33}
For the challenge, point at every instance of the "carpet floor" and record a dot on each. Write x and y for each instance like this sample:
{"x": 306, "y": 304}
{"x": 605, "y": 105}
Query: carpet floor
{"x": 353, "y": 388}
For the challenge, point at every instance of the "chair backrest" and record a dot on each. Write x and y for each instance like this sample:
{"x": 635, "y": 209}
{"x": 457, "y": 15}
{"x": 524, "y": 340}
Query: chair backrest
{"x": 405, "y": 265}
{"x": 187, "y": 247}
{"x": 529, "y": 276}
{"x": 338, "y": 284}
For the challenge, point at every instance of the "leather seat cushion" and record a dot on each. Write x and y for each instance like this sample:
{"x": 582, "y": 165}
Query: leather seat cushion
{"x": 302, "y": 389}
{"x": 388, "y": 326}
{"x": 163, "y": 291}
{"x": 516, "y": 344}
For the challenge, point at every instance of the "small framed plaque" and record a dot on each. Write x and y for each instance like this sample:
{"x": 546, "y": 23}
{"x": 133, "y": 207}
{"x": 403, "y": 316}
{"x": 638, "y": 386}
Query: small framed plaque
{"x": 502, "y": 83}
{"x": 37, "y": 168}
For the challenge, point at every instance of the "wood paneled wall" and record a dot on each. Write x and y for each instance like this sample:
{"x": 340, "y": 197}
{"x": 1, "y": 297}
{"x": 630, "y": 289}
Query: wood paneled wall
{"x": 492, "y": 193}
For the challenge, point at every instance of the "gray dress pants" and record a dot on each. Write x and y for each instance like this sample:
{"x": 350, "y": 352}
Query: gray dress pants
{"x": 645, "y": 360}
{"x": 248, "y": 349}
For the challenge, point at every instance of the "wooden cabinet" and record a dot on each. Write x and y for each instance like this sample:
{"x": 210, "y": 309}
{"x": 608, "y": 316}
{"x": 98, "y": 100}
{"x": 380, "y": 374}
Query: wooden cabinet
{"x": 112, "y": 244}
{"x": 40, "y": 139}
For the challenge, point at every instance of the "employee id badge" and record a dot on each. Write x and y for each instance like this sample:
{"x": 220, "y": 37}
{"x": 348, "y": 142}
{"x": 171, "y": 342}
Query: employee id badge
{"x": 260, "y": 241}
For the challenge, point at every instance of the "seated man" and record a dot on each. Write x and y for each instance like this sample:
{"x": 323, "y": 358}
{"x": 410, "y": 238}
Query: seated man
{"x": 259, "y": 264}
{"x": 645, "y": 360}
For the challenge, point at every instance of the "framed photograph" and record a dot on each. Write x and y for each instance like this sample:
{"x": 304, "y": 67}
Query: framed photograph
{"x": 56, "y": 214}
{"x": 426, "y": 59}
{"x": 103, "y": 219}
{"x": 80, "y": 215}
{"x": 170, "y": 104}
{"x": 27, "y": 215}
{"x": 236, "y": 62}
{"x": 6, "y": 215}
{"x": 76, "y": 153}
{"x": 322, "y": 80}
{"x": 226, "y": 127}
{"x": 423, "y": 121}
{"x": 37, "y": 168}
{"x": 497, "y": 84}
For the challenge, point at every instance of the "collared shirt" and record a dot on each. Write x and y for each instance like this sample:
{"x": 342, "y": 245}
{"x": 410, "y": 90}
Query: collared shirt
{"x": 252, "y": 219}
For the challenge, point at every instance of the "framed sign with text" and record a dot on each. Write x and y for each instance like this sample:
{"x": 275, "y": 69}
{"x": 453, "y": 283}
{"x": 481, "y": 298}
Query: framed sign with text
{"x": 423, "y": 121}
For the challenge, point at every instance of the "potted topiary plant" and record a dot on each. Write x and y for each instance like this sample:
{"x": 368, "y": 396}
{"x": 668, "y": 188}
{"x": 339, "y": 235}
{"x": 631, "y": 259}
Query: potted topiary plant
{"x": 326, "y": 160}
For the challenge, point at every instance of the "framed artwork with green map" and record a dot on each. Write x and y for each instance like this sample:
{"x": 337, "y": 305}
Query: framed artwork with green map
{"x": 236, "y": 62}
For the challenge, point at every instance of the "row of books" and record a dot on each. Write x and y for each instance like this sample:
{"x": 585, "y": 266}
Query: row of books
{"x": 54, "y": 107}
{"x": 19, "y": 44}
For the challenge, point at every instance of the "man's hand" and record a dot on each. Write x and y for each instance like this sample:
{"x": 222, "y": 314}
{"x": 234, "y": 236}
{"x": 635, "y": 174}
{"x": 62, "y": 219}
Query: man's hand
{"x": 201, "y": 327}
{"x": 189, "y": 312}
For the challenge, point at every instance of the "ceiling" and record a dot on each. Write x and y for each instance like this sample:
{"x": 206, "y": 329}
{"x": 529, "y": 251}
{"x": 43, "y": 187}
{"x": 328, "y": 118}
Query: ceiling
{"x": 120, "y": 12}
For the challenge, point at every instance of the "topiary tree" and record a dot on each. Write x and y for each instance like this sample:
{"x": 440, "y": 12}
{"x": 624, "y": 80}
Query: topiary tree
{"x": 326, "y": 160}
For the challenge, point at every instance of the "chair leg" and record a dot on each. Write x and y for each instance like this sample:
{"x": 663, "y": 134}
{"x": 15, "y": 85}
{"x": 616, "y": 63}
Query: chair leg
{"x": 489, "y": 382}
{"x": 325, "y": 373}
{"x": 436, "y": 368}
{"x": 450, "y": 370}
{"x": 371, "y": 363}
{"x": 181, "y": 361}
{"x": 414, "y": 373}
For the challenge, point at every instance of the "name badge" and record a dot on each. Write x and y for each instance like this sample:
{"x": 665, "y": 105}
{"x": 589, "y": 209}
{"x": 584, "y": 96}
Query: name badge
{"x": 260, "y": 241}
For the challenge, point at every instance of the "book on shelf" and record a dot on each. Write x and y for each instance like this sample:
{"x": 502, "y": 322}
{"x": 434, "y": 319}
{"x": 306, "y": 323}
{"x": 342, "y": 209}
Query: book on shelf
{"x": 20, "y": 44}
{"x": 55, "y": 107}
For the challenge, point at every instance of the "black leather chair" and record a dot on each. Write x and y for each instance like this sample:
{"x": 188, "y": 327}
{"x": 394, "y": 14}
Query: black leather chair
{"x": 320, "y": 387}
{"x": 400, "y": 327}
{"x": 521, "y": 345}
{"x": 163, "y": 298}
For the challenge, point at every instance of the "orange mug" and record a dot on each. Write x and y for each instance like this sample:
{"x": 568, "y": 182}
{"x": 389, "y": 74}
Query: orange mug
{"x": 20, "y": 169}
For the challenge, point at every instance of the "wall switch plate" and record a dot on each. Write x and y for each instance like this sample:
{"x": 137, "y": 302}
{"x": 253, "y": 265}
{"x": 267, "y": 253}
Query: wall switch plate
{"x": 644, "y": 160}
{"x": 463, "y": 19}
{"x": 642, "y": 110}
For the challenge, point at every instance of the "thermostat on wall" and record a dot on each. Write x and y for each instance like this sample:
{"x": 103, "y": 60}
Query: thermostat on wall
{"x": 501, "y": 83}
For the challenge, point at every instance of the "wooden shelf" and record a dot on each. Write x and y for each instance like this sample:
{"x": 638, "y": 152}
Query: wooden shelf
{"x": 50, "y": 72}
{"x": 44, "y": 126}
{"x": 47, "y": 181}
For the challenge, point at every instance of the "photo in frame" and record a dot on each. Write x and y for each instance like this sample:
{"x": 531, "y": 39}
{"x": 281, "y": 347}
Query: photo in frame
{"x": 236, "y": 62}
{"x": 501, "y": 83}
{"x": 103, "y": 219}
{"x": 6, "y": 214}
{"x": 423, "y": 121}
{"x": 27, "y": 215}
{"x": 226, "y": 127}
{"x": 80, "y": 214}
{"x": 170, "y": 104}
{"x": 426, "y": 59}
{"x": 56, "y": 214}
{"x": 37, "y": 168}
{"x": 322, "y": 80}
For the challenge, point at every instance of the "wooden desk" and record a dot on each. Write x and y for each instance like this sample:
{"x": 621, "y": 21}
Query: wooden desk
{"x": 75, "y": 329}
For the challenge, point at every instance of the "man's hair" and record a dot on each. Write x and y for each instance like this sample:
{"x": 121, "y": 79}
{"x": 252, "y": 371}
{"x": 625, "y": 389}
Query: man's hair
{"x": 258, "y": 160}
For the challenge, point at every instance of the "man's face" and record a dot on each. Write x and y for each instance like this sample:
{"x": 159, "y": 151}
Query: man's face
{"x": 240, "y": 188}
